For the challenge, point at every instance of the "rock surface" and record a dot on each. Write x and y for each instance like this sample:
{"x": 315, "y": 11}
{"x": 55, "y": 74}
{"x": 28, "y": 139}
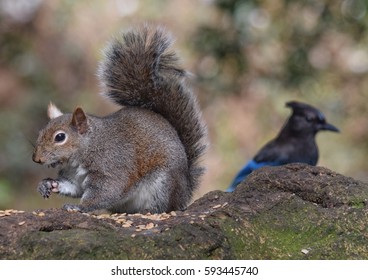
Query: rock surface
{"x": 290, "y": 212}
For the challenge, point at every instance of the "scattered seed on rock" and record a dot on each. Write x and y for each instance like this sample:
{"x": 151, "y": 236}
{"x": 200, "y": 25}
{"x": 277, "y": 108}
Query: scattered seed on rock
{"x": 150, "y": 225}
{"x": 305, "y": 251}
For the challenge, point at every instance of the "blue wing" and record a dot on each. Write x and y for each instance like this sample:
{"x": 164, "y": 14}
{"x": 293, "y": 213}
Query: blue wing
{"x": 246, "y": 170}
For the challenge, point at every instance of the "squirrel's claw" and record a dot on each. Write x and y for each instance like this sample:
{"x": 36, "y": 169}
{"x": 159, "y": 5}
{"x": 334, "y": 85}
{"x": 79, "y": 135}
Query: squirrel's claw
{"x": 72, "y": 208}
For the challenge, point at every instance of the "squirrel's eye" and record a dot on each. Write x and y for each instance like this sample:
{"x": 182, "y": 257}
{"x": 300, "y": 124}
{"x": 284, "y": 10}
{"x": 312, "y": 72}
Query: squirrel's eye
{"x": 60, "y": 137}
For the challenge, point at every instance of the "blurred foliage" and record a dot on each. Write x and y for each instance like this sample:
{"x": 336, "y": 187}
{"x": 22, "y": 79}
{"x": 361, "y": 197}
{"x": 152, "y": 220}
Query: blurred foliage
{"x": 290, "y": 43}
{"x": 248, "y": 58}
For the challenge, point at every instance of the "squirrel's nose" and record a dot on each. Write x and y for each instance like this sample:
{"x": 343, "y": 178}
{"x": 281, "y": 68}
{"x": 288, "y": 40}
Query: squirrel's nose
{"x": 35, "y": 158}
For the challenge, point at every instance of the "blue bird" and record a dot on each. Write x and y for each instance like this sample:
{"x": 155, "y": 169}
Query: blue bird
{"x": 294, "y": 143}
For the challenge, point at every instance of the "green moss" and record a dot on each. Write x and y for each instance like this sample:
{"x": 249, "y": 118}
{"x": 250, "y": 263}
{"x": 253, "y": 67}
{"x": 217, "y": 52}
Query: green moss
{"x": 237, "y": 237}
{"x": 287, "y": 230}
{"x": 75, "y": 243}
{"x": 358, "y": 203}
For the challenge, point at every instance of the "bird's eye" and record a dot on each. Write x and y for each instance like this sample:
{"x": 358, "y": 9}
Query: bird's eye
{"x": 60, "y": 137}
{"x": 309, "y": 118}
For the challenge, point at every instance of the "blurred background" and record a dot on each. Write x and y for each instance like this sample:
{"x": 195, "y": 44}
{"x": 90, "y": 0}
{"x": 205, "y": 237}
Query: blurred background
{"x": 247, "y": 58}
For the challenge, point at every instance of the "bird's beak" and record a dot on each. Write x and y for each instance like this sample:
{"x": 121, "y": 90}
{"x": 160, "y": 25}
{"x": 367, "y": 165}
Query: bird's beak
{"x": 329, "y": 127}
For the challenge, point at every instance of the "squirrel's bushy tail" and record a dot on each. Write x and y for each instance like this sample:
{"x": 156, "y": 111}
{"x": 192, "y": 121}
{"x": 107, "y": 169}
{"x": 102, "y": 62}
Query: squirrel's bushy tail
{"x": 140, "y": 70}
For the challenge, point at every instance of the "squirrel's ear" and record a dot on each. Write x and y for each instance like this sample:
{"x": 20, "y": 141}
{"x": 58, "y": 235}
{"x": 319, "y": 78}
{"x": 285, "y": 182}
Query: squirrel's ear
{"x": 53, "y": 111}
{"x": 79, "y": 120}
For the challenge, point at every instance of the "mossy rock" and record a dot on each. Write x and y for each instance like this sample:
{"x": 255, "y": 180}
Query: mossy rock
{"x": 290, "y": 212}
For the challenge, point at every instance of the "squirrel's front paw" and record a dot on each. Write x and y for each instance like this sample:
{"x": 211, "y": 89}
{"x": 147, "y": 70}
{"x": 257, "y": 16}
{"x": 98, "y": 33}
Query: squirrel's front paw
{"x": 47, "y": 186}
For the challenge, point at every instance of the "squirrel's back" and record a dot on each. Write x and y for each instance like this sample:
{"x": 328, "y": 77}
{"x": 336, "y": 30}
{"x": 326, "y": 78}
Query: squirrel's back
{"x": 139, "y": 70}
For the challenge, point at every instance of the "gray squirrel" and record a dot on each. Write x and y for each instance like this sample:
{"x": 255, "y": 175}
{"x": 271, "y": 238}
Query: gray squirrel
{"x": 142, "y": 158}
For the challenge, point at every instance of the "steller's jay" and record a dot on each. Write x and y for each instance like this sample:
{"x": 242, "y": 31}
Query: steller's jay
{"x": 294, "y": 143}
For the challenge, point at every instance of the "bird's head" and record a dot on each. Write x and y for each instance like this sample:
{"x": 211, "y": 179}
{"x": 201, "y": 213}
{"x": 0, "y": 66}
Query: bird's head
{"x": 306, "y": 119}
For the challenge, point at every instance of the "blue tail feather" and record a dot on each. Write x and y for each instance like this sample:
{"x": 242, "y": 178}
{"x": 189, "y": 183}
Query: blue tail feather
{"x": 246, "y": 170}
